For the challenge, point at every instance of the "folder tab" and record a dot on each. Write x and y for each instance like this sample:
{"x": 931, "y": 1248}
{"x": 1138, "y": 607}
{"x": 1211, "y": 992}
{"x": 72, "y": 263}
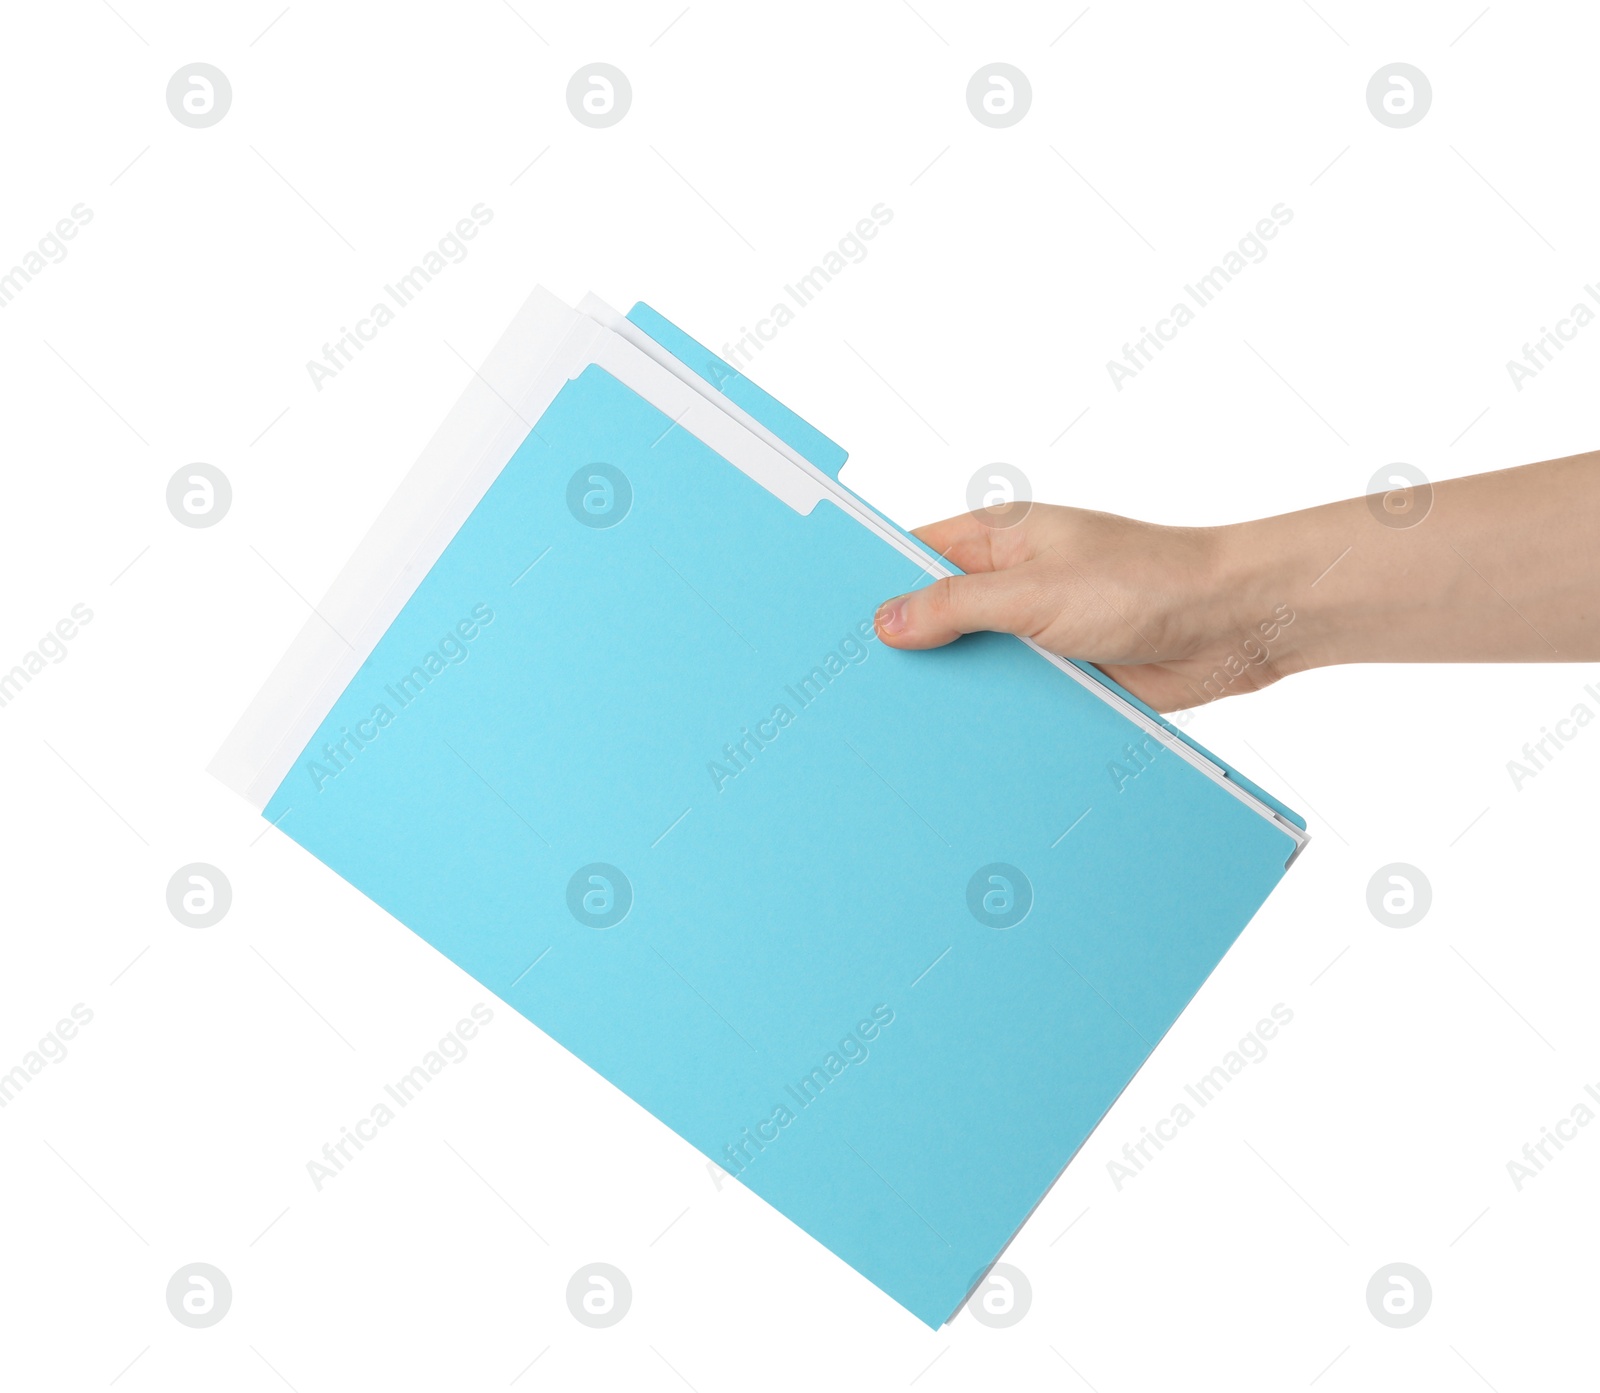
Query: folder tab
{"x": 798, "y": 434}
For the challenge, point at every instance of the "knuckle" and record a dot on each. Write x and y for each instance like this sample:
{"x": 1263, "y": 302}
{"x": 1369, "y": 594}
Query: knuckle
{"x": 945, "y": 599}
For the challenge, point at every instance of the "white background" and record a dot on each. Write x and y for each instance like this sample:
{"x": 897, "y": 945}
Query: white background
{"x": 177, "y": 329}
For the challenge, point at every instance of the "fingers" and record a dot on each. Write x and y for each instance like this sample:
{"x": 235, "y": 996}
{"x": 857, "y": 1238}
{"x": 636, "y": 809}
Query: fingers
{"x": 961, "y": 539}
{"x": 1013, "y": 601}
{"x": 976, "y": 545}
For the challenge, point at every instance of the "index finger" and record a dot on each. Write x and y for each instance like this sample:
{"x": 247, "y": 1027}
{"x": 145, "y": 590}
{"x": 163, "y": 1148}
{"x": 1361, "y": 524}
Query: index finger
{"x": 974, "y": 545}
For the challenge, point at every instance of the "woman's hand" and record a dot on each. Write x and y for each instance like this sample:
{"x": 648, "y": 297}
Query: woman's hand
{"x": 1501, "y": 567}
{"x": 1157, "y": 608}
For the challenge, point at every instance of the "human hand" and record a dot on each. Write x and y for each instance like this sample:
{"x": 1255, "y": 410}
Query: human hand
{"x": 1158, "y": 609}
{"x": 1498, "y": 567}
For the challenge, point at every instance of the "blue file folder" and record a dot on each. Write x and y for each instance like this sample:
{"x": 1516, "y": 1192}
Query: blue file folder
{"x": 876, "y": 931}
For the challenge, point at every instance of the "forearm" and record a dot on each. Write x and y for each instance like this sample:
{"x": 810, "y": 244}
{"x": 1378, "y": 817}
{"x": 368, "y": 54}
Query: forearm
{"x": 1504, "y": 567}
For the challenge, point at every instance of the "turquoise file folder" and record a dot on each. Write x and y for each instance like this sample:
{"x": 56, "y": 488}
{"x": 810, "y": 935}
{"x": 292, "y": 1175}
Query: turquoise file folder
{"x": 814, "y": 903}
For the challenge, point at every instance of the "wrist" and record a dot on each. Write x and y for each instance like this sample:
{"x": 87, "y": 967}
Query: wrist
{"x": 1274, "y": 579}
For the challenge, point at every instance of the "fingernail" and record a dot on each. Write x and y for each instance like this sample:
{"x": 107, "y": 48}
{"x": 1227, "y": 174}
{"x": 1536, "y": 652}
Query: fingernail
{"x": 891, "y": 616}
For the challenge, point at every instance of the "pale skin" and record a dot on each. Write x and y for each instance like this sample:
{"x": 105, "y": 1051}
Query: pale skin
{"x": 1500, "y": 568}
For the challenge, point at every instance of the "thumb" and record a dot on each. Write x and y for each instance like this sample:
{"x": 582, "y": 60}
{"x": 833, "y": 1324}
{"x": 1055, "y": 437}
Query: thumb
{"x": 1012, "y": 601}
